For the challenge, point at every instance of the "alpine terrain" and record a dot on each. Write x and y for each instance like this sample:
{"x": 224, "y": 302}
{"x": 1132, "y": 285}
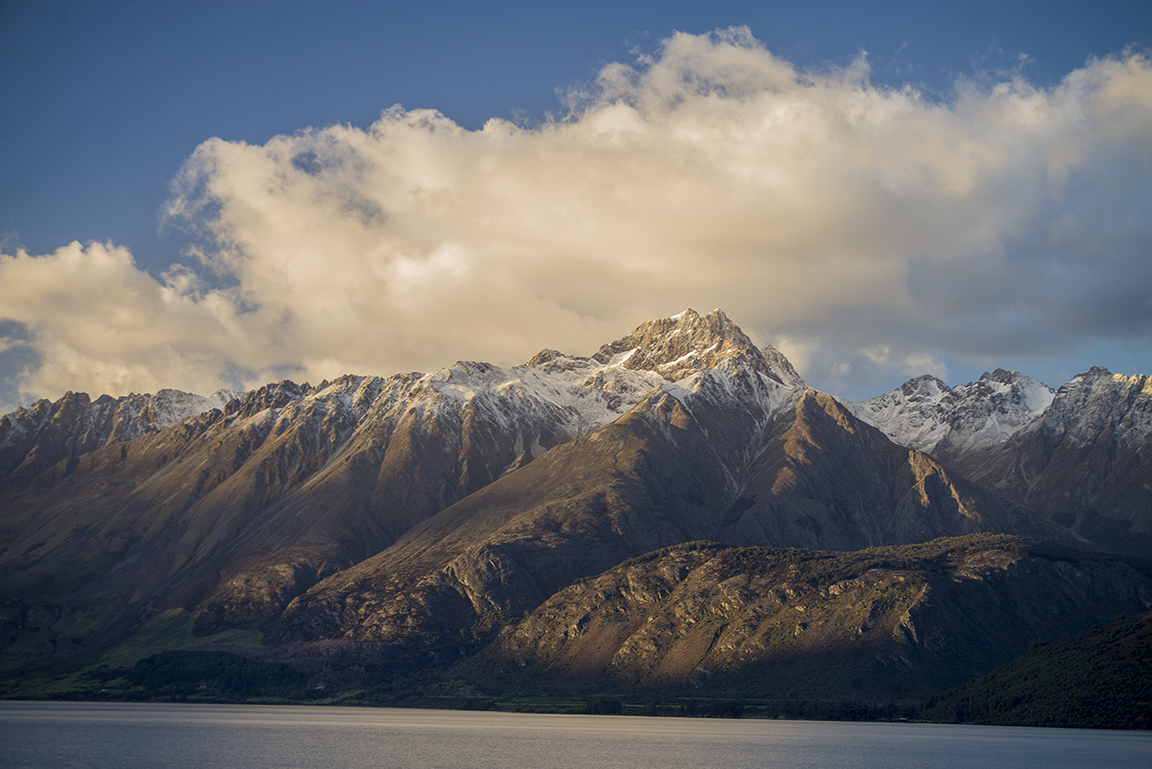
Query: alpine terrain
{"x": 676, "y": 513}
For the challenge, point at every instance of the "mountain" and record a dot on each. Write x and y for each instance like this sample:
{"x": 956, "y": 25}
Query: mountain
{"x": 423, "y": 514}
{"x": 1078, "y": 455}
{"x": 235, "y": 512}
{"x": 926, "y": 414}
{"x": 240, "y": 509}
{"x": 34, "y": 439}
{"x": 760, "y": 623}
{"x": 727, "y": 453}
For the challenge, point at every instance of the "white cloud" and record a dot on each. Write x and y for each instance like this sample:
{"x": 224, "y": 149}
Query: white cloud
{"x": 99, "y": 324}
{"x": 813, "y": 207}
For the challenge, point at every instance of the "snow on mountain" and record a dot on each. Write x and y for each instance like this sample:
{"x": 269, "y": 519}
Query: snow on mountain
{"x": 132, "y": 415}
{"x": 302, "y": 480}
{"x": 581, "y": 394}
{"x": 573, "y": 394}
{"x": 926, "y": 414}
{"x": 911, "y": 415}
{"x": 1098, "y": 401}
{"x": 46, "y": 432}
{"x": 1084, "y": 462}
{"x": 551, "y": 399}
{"x": 508, "y": 482}
{"x": 781, "y": 368}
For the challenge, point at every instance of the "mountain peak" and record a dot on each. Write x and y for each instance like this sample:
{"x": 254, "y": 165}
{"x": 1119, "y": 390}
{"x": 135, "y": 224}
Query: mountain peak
{"x": 780, "y": 369}
{"x": 926, "y": 414}
{"x": 683, "y": 344}
{"x": 1001, "y": 375}
{"x": 925, "y": 387}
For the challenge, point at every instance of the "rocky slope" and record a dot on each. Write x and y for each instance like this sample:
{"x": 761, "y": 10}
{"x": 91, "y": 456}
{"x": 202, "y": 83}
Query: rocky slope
{"x": 763, "y": 623}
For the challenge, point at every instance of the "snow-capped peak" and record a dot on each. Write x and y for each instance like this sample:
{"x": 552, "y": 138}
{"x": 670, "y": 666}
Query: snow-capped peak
{"x": 780, "y": 369}
{"x": 926, "y": 414}
{"x": 1088, "y": 401}
{"x": 687, "y": 343}
{"x": 75, "y": 424}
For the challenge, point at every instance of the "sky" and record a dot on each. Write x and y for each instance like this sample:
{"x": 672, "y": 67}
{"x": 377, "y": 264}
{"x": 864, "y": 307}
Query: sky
{"x": 206, "y": 195}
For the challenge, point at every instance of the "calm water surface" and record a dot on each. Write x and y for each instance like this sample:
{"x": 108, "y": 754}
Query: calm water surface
{"x": 43, "y": 734}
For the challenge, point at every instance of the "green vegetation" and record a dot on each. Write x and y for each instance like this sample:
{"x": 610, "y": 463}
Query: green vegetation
{"x": 214, "y": 675}
{"x": 1100, "y": 679}
{"x": 604, "y": 707}
{"x": 171, "y": 629}
{"x": 173, "y": 676}
{"x": 100, "y": 680}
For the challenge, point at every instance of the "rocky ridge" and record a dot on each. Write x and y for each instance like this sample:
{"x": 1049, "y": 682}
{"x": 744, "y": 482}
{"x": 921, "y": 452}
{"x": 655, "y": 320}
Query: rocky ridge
{"x": 755, "y": 622}
{"x": 425, "y": 512}
{"x": 34, "y": 439}
{"x": 926, "y": 414}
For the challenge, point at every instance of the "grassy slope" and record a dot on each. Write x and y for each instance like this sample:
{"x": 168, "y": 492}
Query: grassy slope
{"x": 171, "y": 629}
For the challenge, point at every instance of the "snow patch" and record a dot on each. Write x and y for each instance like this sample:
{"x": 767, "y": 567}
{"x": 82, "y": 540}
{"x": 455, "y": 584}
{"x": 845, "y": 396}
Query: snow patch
{"x": 677, "y": 391}
{"x": 620, "y": 359}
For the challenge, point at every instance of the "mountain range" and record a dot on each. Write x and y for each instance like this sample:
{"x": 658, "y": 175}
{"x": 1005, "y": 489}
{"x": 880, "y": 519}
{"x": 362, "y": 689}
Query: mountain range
{"x": 480, "y": 517}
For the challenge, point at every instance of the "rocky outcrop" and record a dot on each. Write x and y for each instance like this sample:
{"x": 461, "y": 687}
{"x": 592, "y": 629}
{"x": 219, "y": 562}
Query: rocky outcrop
{"x": 684, "y": 344}
{"x": 763, "y": 623}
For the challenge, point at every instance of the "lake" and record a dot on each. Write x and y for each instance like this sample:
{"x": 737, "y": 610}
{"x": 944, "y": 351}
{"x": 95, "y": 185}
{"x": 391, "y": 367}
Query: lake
{"x": 50, "y": 734}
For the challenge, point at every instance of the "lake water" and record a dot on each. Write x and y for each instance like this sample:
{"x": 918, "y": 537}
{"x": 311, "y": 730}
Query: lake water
{"x": 47, "y": 734}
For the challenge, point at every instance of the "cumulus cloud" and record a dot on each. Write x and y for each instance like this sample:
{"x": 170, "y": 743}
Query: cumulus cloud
{"x": 95, "y": 322}
{"x": 839, "y": 219}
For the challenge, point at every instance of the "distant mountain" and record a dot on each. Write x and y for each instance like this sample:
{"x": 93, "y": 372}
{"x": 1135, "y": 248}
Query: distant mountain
{"x": 926, "y": 414}
{"x": 425, "y": 513}
{"x": 1078, "y": 456}
{"x": 34, "y": 439}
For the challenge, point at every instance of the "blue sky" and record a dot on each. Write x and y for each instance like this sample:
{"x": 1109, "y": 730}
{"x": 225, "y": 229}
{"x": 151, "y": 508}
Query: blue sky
{"x": 104, "y": 107}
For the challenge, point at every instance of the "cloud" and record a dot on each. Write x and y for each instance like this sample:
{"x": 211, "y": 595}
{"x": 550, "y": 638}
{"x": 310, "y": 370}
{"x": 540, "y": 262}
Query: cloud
{"x": 97, "y": 323}
{"x": 814, "y": 207}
